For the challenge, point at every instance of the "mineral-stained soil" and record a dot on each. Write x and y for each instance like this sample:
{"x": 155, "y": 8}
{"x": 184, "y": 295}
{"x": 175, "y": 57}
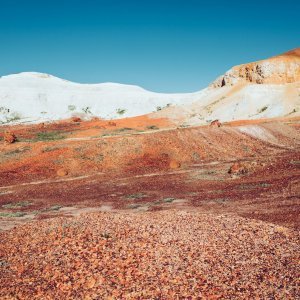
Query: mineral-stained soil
{"x": 140, "y": 209}
{"x": 154, "y": 255}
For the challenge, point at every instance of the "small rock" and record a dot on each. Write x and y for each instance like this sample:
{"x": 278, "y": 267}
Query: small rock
{"x": 110, "y": 123}
{"x": 90, "y": 283}
{"x": 76, "y": 119}
{"x": 238, "y": 169}
{"x": 174, "y": 164}
{"x": 216, "y": 123}
{"x": 62, "y": 172}
{"x": 9, "y": 138}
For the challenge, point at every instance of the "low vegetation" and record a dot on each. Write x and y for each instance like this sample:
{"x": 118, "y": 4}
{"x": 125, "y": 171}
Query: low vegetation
{"x": 168, "y": 200}
{"x": 263, "y": 109}
{"x": 17, "y": 205}
{"x": 135, "y": 196}
{"x": 117, "y": 131}
{"x": 13, "y": 117}
{"x": 152, "y": 127}
{"x": 49, "y": 136}
{"x": 49, "y": 149}
{"x": 71, "y": 107}
{"x": 54, "y": 208}
{"x": 17, "y": 151}
{"x": 87, "y": 110}
{"x": 12, "y": 214}
{"x": 124, "y": 129}
{"x": 8, "y": 115}
{"x": 120, "y": 111}
{"x": 134, "y": 206}
{"x": 158, "y": 108}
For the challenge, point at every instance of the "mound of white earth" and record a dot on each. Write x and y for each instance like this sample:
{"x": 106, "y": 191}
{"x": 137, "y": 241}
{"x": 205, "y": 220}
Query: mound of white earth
{"x": 41, "y": 97}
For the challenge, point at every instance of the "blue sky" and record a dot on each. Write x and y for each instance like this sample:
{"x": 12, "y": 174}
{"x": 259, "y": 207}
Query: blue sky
{"x": 163, "y": 46}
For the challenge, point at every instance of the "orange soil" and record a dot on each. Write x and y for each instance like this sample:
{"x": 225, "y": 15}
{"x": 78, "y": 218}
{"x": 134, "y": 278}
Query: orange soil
{"x": 94, "y": 127}
{"x": 93, "y": 146}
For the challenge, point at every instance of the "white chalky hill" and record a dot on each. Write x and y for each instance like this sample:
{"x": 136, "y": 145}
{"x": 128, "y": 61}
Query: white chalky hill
{"x": 264, "y": 89}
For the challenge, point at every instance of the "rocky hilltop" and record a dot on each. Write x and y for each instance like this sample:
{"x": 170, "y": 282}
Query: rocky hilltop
{"x": 281, "y": 69}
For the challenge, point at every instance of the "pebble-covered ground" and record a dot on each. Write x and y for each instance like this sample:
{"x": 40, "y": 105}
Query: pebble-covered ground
{"x": 173, "y": 254}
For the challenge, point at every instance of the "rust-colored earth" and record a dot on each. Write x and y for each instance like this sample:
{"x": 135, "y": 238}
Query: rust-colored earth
{"x": 140, "y": 209}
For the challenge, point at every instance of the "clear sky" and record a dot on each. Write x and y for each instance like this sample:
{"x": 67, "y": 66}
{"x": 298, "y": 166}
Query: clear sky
{"x": 163, "y": 46}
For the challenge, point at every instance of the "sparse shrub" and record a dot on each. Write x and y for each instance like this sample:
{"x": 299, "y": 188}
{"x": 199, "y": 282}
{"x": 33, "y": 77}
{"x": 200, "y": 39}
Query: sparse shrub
{"x": 4, "y": 110}
{"x": 87, "y": 110}
{"x": 183, "y": 126}
{"x": 71, "y": 107}
{"x": 105, "y": 235}
{"x": 13, "y": 117}
{"x": 135, "y": 196}
{"x": 53, "y": 208}
{"x": 120, "y": 111}
{"x": 196, "y": 156}
{"x": 49, "y": 136}
{"x": 100, "y": 157}
{"x": 17, "y": 151}
{"x": 9, "y": 116}
{"x": 158, "y": 108}
{"x": 246, "y": 148}
{"x": 263, "y": 109}
{"x": 221, "y": 200}
{"x": 152, "y": 127}
{"x": 3, "y": 263}
{"x": 134, "y": 206}
{"x": 16, "y": 205}
{"x": 124, "y": 129}
{"x": 12, "y": 214}
{"x": 49, "y": 149}
{"x": 168, "y": 200}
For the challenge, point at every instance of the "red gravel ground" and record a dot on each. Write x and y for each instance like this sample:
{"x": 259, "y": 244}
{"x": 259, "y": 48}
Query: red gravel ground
{"x": 156, "y": 255}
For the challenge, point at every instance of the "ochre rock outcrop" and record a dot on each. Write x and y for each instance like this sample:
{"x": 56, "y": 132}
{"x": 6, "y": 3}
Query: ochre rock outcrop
{"x": 215, "y": 123}
{"x": 239, "y": 168}
{"x": 9, "y": 138}
{"x": 174, "y": 164}
{"x": 62, "y": 172}
{"x": 281, "y": 69}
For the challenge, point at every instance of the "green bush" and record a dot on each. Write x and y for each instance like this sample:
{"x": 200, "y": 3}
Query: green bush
{"x": 120, "y": 111}
{"x": 16, "y": 205}
{"x": 12, "y": 214}
{"x": 71, "y": 107}
{"x": 49, "y": 136}
{"x": 152, "y": 127}
{"x": 263, "y": 109}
